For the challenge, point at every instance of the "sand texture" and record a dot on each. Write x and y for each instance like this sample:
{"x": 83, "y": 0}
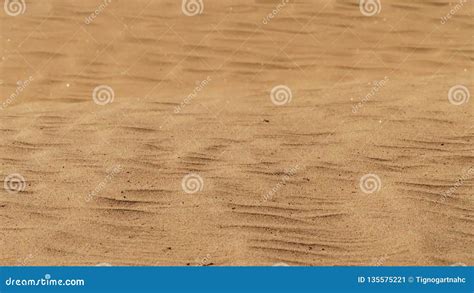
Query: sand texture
{"x": 256, "y": 132}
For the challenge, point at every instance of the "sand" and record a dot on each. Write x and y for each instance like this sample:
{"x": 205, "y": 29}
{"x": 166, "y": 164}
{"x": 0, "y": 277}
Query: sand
{"x": 244, "y": 133}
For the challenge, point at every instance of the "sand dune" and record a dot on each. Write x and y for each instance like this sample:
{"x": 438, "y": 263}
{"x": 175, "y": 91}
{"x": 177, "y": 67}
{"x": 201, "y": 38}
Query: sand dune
{"x": 251, "y": 133}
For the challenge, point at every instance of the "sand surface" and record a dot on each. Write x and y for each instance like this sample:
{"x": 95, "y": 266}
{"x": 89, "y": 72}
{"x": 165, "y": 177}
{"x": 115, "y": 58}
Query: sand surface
{"x": 241, "y": 135}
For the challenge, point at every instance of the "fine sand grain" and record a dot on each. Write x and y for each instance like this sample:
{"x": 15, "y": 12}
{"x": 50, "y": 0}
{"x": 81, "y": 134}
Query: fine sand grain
{"x": 258, "y": 132}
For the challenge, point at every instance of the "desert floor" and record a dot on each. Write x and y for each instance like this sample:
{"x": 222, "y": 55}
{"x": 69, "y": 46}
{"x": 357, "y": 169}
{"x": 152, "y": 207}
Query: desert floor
{"x": 250, "y": 132}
